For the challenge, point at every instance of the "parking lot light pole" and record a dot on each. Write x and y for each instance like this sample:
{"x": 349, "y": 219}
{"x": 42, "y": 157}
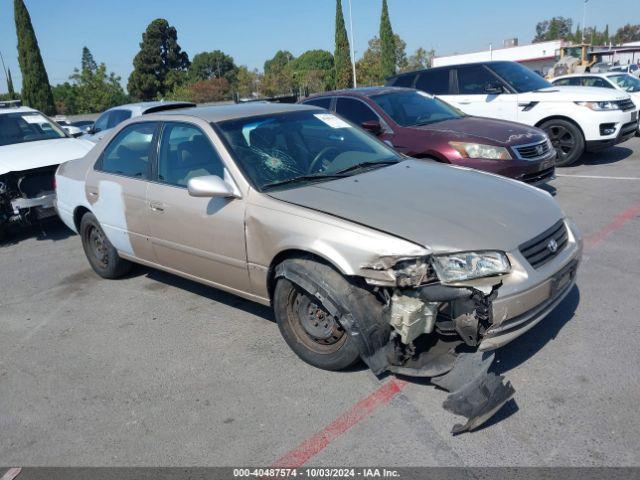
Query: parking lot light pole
{"x": 353, "y": 52}
{"x": 584, "y": 18}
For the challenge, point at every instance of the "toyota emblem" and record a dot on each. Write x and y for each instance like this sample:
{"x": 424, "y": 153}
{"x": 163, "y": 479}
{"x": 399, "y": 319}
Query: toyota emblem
{"x": 540, "y": 149}
{"x": 552, "y": 246}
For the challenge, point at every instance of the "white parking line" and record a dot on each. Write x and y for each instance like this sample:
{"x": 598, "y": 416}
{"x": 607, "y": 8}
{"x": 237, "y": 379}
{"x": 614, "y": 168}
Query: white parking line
{"x": 598, "y": 176}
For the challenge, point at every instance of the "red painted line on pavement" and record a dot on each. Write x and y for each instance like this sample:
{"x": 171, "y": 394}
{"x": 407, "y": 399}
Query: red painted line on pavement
{"x": 318, "y": 442}
{"x": 11, "y": 473}
{"x": 595, "y": 239}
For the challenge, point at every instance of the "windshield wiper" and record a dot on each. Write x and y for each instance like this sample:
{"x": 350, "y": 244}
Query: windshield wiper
{"x": 361, "y": 165}
{"x": 301, "y": 178}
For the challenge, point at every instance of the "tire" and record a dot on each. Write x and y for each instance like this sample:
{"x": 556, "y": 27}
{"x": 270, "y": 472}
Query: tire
{"x": 566, "y": 138}
{"x": 305, "y": 323}
{"x": 102, "y": 256}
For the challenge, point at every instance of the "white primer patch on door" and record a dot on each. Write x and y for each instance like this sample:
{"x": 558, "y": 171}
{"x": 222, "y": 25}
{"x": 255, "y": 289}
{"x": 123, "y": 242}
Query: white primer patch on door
{"x": 332, "y": 120}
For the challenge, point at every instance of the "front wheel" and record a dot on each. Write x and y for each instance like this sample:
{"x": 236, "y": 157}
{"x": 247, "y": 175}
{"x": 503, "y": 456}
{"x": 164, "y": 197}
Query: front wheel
{"x": 305, "y": 322}
{"x": 567, "y": 139}
{"x": 102, "y": 256}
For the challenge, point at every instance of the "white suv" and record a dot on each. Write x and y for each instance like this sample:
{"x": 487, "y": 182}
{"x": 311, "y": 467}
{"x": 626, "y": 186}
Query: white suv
{"x": 575, "y": 118}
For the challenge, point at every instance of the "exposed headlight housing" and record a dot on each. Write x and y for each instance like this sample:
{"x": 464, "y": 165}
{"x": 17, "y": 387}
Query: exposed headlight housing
{"x": 600, "y": 106}
{"x": 457, "y": 267}
{"x": 478, "y": 150}
{"x": 413, "y": 272}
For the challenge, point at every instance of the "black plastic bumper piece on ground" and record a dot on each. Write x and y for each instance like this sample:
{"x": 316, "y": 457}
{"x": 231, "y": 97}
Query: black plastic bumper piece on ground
{"x": 475, "y": 393}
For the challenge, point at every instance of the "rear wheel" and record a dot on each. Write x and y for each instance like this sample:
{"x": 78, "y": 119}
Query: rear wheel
{"x": 566, "y": 138}
{"x": 102, "y": 256}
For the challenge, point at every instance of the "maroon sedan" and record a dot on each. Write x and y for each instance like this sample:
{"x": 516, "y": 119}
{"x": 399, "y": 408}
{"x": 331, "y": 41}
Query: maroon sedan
{"x": 422, "y": 126}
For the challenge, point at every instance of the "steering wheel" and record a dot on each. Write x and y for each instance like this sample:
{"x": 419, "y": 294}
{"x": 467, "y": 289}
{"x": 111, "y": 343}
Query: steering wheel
{"x": 319, "y": 157}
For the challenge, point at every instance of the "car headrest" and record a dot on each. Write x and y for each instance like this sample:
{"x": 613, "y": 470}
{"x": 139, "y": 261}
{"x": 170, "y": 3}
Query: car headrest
{"x": 195, "y": 151}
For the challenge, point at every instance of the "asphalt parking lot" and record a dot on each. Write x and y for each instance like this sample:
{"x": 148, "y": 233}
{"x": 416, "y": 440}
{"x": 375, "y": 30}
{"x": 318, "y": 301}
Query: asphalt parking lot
{"x": 157, "y": 370}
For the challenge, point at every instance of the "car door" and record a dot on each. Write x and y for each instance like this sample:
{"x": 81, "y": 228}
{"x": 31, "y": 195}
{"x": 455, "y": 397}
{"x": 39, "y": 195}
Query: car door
{"x": 481, "y": 93}
{"x": 116, "y": 188}
{"x": 200, "y": 237}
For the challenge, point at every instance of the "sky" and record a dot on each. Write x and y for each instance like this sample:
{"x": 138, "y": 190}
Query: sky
{"x": 251, "y": 31}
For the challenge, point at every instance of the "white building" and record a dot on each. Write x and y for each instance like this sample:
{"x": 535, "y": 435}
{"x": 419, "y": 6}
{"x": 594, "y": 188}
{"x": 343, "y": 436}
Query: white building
{"x": 537, "y": 56}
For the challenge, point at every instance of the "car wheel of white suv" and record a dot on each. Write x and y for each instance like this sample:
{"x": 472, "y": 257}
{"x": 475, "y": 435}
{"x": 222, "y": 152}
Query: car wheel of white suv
{"x": 566, "y": 138}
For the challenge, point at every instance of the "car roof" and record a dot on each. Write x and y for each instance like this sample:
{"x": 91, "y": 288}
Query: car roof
{"x": 17, "y": 110}
{"x": 360, "y": 92}
{"x": 154, "y": 105}
{"x": 434, "y": 69}
{"x": 220, "y": 113}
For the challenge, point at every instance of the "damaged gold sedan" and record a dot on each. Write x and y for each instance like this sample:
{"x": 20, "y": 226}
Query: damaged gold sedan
{"x": 415, "y": 267}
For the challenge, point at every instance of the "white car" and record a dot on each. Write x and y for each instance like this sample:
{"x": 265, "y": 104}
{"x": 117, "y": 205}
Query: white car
{"x": 116, "y": 115}
{"x": 31, "y": 148}
{"x": 575, "y": 118}
{"x": 631, "y": 69}
{"x": 613, "y": 80}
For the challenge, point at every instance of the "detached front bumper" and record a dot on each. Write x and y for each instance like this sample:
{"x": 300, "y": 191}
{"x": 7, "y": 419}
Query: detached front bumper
{"x": 529, "y": 294}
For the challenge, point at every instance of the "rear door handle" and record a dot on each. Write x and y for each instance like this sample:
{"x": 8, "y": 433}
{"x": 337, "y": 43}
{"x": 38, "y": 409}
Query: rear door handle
{"x": 156, "y": 206}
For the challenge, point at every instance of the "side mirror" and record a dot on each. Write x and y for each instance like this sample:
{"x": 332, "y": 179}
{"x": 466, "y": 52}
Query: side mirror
{"x": 493, "y": 89}
{"x": 372, "y": 126}
{"x": 209, "y": 186}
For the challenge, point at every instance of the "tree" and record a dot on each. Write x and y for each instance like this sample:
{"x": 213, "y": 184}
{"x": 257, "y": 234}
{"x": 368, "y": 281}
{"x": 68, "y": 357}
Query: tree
{"x": 387, "y": 44}
{"x": 341, "y": 54}
{"x": 554, "y": 29}
{"x": 208, "y": 65}
{"x": 203, "y": 91}
{"x": 36, "y": 90}
{"x": 278, "y": 74}
{"x": 88, "y": 63}
{"x": 10, "y": 89}
{"x": 314, "y": 70}
{"x": 247, "y": 82}
{"x": 160, "y": 65}
{"x": 369, "y": 67}
{"x": 628, "y": 33}
{"x": 419, "y": 60}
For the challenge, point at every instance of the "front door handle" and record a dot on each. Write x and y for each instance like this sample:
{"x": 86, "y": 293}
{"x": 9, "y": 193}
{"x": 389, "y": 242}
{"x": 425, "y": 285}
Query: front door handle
{"x": 156, "y": 207}
{"x": 92, "y": 193}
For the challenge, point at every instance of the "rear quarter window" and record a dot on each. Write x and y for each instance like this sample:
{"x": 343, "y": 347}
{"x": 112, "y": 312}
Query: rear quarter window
{"x": 435, "y": 82}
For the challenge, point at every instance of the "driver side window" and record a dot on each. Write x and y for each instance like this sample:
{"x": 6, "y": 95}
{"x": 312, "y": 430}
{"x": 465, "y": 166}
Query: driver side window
{"x": 185, "y": 153}
{"x": 474, "y": 80}
{"x": 101, "y": 122}
{"x": 355, "y": 111}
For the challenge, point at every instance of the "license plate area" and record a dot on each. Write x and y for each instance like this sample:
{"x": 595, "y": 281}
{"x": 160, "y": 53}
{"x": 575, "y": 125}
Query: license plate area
{"x": 563, "y": 278}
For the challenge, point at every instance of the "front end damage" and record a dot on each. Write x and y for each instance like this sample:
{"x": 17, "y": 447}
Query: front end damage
{"x": 27, "y": 197}
{"x": 426, "y": 329}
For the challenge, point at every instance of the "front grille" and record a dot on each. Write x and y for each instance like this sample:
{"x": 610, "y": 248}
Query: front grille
{"x": 626, "y": 104}
{"x": 536, "y": 177}
{"x": 533, "y": 150}
{"x": 537, "y": 251}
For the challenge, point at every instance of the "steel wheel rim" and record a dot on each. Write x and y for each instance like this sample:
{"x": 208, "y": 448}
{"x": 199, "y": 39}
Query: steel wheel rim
{"x": 313, "y": 325}
{"x": 562, "y": 140}
{"x": 97, "y": 243}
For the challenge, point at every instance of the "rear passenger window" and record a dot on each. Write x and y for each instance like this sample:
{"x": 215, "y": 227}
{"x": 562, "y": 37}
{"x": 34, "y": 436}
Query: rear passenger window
{"x": 435, "y": 82}
{"x": 474, "y": 80}
{"x": 130, "y": 151}
{"x": 185, "y": 153}
{"x": 319, "y": 102}
{"x": 355, "y": 111}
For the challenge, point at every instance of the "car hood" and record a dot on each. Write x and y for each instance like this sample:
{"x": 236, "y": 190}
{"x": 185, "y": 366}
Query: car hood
{"x": 572, "y": 94}
{"x": 442, "y": 207}
{"x": 479, "y": 129}
{"x": 43, "y": 153}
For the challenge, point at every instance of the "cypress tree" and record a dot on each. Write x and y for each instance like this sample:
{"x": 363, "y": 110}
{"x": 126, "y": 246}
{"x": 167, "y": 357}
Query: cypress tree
{"x": 12, "y": 93}
{"x": 88, "y": 63}
{"x": 387, "y": 44}
{"x": 36, "y": 90}
{"x": 341, "y": 55}
{"x": 160, "y": 64}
